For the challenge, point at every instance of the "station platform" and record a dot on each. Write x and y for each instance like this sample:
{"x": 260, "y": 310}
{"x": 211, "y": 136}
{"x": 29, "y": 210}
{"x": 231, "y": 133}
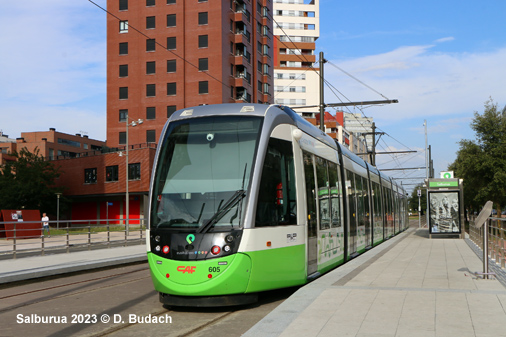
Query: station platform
{"x": 409, "y": 285}
{"x": 26, "y": 268}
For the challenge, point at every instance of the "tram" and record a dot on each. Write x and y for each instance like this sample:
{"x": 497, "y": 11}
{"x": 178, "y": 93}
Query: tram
{"x": 246, "y": 198}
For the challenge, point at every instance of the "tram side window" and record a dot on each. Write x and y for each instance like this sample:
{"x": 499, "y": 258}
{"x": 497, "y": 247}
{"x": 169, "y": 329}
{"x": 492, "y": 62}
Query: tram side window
{"x": 377, "y": 203}
{"x": 351, "y": 193}
{"x": 335, "y": 195}
{"x": 360, "y": 200}
{"x": 323, "y": 192}
{"x": 277, "y": 204}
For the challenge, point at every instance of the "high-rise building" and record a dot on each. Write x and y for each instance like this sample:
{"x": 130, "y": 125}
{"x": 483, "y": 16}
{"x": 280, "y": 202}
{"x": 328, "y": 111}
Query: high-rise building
{"x": 296, "y": 29}
{"x": 360, "y": 126}
{"x": 164, "y": 55}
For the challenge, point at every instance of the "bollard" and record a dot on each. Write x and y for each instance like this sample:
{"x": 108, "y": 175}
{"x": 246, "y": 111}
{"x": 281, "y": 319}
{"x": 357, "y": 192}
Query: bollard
{"x": 14, "y": 243}
{"x": 68, "y": 239}
{"x": 485, "y": 249}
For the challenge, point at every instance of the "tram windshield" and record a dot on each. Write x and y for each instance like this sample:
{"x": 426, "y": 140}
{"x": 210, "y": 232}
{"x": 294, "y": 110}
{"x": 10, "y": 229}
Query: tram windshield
{"x": 203, "y": 173}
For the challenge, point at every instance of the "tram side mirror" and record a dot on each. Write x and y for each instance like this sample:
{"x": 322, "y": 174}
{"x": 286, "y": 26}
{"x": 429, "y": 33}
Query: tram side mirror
{"x": 484, "y": 214}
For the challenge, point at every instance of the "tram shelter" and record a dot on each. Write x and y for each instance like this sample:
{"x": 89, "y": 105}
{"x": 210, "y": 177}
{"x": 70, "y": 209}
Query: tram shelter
{"x": 445, "y": 202}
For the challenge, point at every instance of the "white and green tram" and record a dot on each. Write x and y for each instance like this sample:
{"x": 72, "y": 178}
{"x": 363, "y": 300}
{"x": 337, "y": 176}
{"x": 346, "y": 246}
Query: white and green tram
{"x": 246, "y": 198}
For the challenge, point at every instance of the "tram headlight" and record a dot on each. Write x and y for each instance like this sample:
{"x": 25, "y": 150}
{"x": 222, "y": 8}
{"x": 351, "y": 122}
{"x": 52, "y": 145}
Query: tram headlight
{"x": 157, "y": 248}
{"x": 226, "y": 248}
{"x": 229, "y": 238}
{"x": 157, "y": 238}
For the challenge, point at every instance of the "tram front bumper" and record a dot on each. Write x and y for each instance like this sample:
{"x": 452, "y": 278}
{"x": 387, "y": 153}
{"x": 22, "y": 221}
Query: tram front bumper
{"x": 219, "y": 276}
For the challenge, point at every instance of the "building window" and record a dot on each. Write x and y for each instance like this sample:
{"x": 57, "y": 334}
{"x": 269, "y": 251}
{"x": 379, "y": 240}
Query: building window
{"x": 123, "y": 93}
{"x": 111, "y": 173}
{"x": 150, "y": 3}
{"x": 171, "y": 88}
{"x": 134, "y": 171}
{"x": 170, "y": 2}
{"x": 266, "y": 88}
{"x": 150, "y": 44}
{"x": 203, "y": 18}
{"x": 265, "y": 49}
{"x": 123, "y": 5}
{"x": 203, "y": 43}
{"x": 171, "y": 43}
{"x": 203, "y": 87}
{"x": 150, "y": 136}
{"x": 123, "y": 70}
{"x": 69, "y": 142}
{"x": 171, "y": 20}
{"x": 203, "y": 64}
{"x": 123, "y": 115}
{"x": 202, "y": 0}
{"x": 171, "y": 66}
{"x": 123, "y": 26}
{"x": 122, "y": 138}
{"x": 150, "y": 112}
{"x": 170, "y": 110}
{"x": 150, "y": 90}
{"x": 123, "y": 48}
{"x": 90, "y": 175}
{"x": 150, "y": 67}
{"x": 150, "y": 22}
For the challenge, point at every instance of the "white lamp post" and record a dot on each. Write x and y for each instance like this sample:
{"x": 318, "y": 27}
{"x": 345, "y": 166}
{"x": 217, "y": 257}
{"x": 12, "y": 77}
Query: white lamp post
{"x": 58, "y": 210}
{"x": 133, "y": 123}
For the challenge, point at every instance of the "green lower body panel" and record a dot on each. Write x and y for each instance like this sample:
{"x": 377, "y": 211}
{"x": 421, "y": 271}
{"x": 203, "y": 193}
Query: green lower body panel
{"x": 220, "y": 276}
{"x": 277, "y": 268}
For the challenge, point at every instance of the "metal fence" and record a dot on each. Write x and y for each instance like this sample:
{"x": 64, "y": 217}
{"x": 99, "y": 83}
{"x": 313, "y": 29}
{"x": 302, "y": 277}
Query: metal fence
{"x": 27, "y": 238}
{"x": 496, "y": 238}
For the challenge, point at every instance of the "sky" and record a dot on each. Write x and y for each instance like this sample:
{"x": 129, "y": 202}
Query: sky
{"x": 441, "y": 59}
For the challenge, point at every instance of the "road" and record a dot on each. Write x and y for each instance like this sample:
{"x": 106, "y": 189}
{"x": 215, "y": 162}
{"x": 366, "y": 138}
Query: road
{"x": 81, "y": 304}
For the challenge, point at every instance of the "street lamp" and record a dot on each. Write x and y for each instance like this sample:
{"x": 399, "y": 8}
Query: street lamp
{"x": 133, "y": 123}
{"x": 58, "y": 210}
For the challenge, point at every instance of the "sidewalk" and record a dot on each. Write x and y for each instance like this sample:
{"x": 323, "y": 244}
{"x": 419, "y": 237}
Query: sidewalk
{"x": 54, "y": 264}
{"x": 407, "y": 286}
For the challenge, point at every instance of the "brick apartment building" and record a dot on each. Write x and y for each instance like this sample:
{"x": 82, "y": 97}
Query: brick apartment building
{"x": 165, "y": 55}
{"x": 50, "y": 144}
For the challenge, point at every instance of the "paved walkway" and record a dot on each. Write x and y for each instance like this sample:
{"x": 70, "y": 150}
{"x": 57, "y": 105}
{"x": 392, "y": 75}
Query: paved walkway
{"x": 407, "y": 286}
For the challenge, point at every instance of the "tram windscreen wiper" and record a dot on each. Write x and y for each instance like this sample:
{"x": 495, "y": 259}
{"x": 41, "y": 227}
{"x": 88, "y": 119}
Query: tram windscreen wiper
{"x": 238, "y": 195}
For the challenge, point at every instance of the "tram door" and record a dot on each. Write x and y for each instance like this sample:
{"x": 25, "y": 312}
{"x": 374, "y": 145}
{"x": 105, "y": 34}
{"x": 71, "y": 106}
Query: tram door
{"x": 312, "y": 248}
{"x": 352, "y": 211}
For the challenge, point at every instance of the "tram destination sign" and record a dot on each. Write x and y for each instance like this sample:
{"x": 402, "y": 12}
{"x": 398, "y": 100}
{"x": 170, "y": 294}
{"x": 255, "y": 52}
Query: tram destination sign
{"x": 442, "y": 184}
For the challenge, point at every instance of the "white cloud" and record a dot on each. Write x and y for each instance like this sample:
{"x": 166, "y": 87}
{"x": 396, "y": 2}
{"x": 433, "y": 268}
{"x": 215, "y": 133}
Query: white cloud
{"x": 445, "y": 39}
{"x": 427, "y": 83}
{"x": 53, "y": 57}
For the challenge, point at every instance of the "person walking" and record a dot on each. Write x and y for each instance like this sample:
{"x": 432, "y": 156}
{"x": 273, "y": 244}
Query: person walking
{"x": 45, "y": 224}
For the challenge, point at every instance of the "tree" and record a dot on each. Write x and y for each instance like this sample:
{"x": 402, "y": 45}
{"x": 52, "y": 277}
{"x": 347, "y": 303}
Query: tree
{"x": 482, "y": 163}
{"x": 28, "y": 182}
